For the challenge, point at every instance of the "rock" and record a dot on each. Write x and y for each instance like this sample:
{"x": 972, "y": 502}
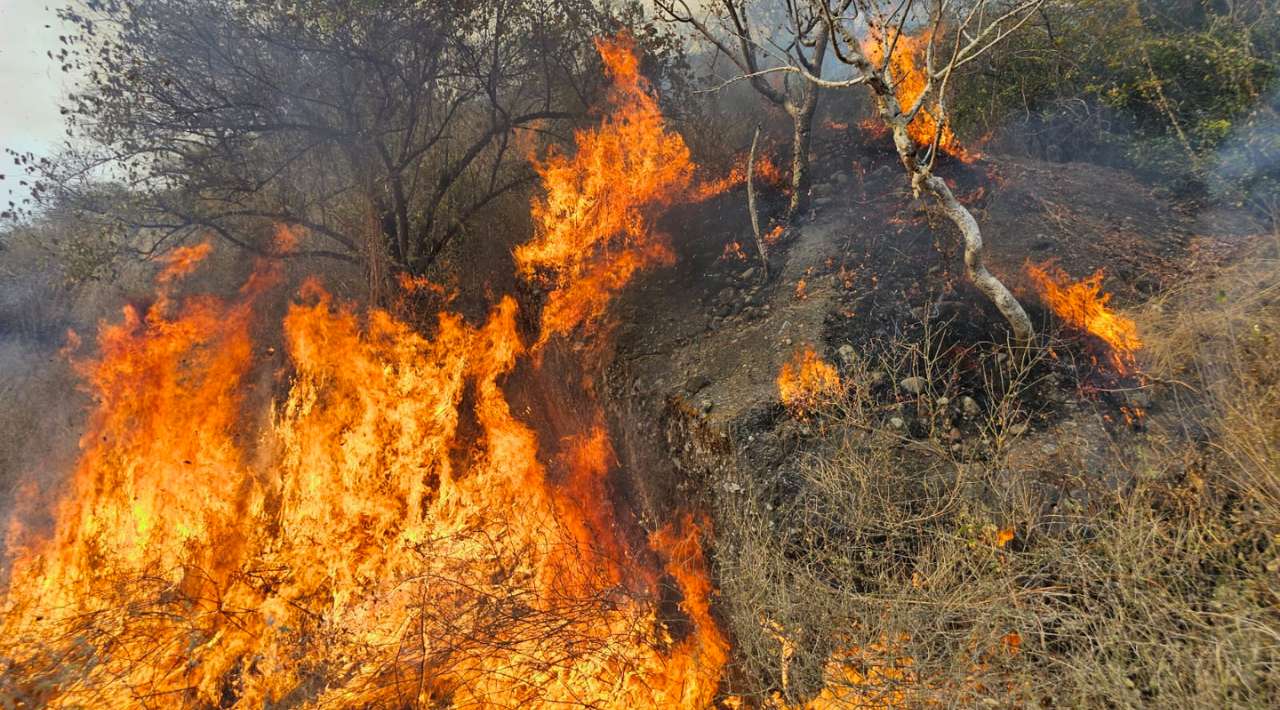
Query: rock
{"x": 1019, "y": 429}
{"x": 786, "y": 341}
{"x": 970, "y": 406}
{"x": 726, "y": 296}
{"x": 942, "y": 402}
{"x": 914, "y": 385}
{"x": 876, "y": 378}
{"x": 1138, "y": 398}
{"x": 705, "y": 406}
{"x": 747, "y": 274}
{"x": 696, "y": 384}
{"x": 1049, "y": 449}
{"x": 897, "y": 422}
{"x": 954, "y": 435}
{"x": 840, "y": 178}
{"x": 820, "y": 190}
{"x": 847, "y": 354}
{"x": 821, "y": 202}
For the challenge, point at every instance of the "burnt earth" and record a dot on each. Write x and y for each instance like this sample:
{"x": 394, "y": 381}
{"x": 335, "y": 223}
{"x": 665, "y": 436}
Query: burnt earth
{"x": 700, "y": 344}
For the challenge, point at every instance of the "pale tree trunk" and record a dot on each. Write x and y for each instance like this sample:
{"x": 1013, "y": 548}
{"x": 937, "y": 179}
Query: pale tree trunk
{"x": 922, "y": 178}
{"x": 802, "y": 137}
{"x": 986, "y": 282}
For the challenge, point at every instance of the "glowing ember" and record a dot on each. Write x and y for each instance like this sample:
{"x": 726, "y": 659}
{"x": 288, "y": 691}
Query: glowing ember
{"x": 378, "y": 530}
{"x": 1083, "y": 305}
{"x": 906, "y": 66}
{"x": 807, "y": 382}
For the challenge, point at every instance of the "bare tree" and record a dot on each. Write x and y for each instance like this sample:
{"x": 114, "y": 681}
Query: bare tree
{"x": 866, "y": 35}
{"x": 729, "y": 27}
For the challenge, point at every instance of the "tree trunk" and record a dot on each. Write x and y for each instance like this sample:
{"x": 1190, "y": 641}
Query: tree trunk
{"x": 802, "y": 120}
{"x": 986, "y": 282}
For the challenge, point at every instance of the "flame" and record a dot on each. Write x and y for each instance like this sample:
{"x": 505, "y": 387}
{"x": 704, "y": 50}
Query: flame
{"x": 370, "y": 524}
{"x": 733, "y": 251}
{"x": 907, "y": 69}
{"x": 807, "y": 382}
{"x": 765, "y": 172}
{"x": 1084, "y": 305}
{"x": 594, "y": 230}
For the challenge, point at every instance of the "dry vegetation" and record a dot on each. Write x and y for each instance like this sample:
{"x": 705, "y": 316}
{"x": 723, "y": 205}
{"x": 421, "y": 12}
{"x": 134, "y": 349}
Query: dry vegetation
{"x": 1065, "y": 568}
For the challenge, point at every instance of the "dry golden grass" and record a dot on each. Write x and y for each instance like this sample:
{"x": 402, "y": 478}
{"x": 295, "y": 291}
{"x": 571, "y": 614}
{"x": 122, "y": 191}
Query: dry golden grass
{"x": 1125, "y": 570}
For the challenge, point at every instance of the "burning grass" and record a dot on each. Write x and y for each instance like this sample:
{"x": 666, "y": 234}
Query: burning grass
{"x": 389, "y": 533}
{"x": 1068, "y": 566}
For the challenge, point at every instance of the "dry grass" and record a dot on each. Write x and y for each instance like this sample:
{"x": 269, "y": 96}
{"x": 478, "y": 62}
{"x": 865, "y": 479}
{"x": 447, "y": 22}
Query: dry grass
{"x": 1143, "y": 569}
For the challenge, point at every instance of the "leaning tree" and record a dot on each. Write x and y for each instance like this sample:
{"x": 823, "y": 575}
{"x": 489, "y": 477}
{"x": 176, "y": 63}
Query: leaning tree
{"x": 873, "y": 38}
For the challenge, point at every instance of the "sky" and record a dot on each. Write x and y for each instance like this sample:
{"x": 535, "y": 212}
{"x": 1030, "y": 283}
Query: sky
{"x": 31, "y": 84}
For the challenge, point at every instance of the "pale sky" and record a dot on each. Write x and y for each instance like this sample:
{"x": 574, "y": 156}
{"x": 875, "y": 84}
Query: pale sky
{"x": 30, "y": 84}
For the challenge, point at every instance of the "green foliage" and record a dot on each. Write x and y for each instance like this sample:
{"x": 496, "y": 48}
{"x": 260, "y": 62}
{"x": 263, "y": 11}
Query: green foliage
{"x": 1182, "y": 90}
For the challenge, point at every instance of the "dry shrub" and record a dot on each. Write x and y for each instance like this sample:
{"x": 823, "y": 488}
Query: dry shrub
{"x": 1126, "y": 569}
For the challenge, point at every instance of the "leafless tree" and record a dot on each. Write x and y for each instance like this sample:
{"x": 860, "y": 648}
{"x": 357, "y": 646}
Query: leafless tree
{"x": 729, "y": 26}
{"x": 865, "y": 34}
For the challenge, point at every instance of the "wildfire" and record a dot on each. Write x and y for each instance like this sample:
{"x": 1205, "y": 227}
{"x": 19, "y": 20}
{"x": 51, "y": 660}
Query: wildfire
{"x": 376, "y": 528}
{"x": 906, "y": 66}
{"x": 1083, "y": 305}
{"x": 766, "y": 172}
{"x": 808, "y": 382}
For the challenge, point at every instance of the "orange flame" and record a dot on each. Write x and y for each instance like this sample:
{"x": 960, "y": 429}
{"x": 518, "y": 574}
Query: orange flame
{"x": 594, "y": 230}
{"x": 1083, "y": 305}
{"x": 808, "y": 382}
{"x": 907, "y": 67}
{"x": 387, "y": 534}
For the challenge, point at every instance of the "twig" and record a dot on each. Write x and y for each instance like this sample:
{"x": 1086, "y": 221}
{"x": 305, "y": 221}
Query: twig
{"x": 751, "y": 203}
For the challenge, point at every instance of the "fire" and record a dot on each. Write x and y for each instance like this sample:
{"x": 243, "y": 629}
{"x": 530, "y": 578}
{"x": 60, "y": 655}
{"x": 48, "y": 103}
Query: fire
{"x": 765, "y": 172}
{"x": 1084, "y": 305}
{"x": 808, "y": 382}
{"x": 733, "y": 252}
{"x": 906, "y": 66}
{"x": 368, "y": 523}
{"x": 594, "y": 231}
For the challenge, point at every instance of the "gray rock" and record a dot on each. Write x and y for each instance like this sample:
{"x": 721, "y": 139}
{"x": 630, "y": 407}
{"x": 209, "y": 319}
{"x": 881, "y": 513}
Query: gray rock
{"x": 726, "y": 295}
{"x": 840, "y": 178}
{"x": 897, "y": 422}
{"x": 942, "y": 402}
{"x": 970, "y": 406}
{"x": 914, "y": 385}
{"x": 696, "y": 384}
{"x": 847, "y": 354}
{"x": 747, "y": 274}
